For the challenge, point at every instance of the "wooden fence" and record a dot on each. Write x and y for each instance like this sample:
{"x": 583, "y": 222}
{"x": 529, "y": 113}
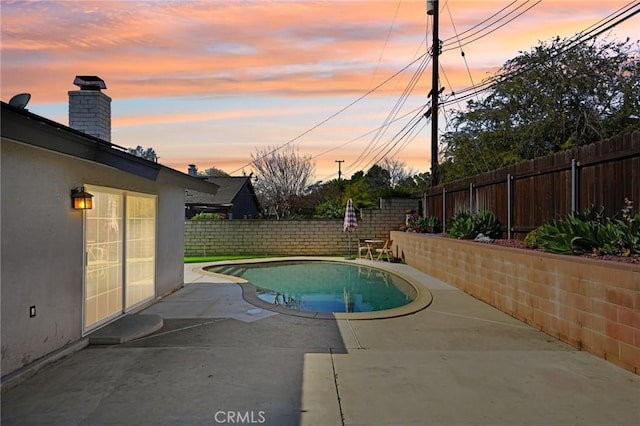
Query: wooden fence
{"x": 529, "y": 194}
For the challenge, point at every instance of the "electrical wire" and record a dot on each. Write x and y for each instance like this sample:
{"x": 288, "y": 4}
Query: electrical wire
{"x": 420, "y": 108}
{"x": 386, "y": 41}
{"x": 600, "y": 27}
{"x": 346, "y": 107}
{"x": 332, "y": 116}
{"x": 497, "y": 28}
{"x": 466, "y": 64}
{"x": 469, "y": 158}
{"x": 474, "y": 90}
{"x": 399, "y": 136}
{"x": 482, "y": 22}
{"x": 371, "y": 147}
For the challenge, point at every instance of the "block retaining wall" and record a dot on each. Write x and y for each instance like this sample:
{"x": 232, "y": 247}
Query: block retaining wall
{"x": 319, "y": 237}
{"x": 592, "y": 305}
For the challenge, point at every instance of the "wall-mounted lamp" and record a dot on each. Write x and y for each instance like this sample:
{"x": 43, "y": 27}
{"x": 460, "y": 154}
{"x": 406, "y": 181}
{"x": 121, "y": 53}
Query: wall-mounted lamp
{"x": 80, "y": 199}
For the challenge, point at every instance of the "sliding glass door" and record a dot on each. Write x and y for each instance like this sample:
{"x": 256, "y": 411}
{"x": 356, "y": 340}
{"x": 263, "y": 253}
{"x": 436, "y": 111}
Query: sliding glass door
{"x": 120, "y": 250}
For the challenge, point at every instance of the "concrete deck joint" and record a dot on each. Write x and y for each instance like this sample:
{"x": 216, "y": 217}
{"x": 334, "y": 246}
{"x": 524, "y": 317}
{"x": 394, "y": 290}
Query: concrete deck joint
{"x": 335, "y": 382}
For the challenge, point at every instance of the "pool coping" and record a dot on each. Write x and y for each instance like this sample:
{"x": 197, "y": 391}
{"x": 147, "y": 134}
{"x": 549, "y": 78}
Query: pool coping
{"x": 423, "y": 298}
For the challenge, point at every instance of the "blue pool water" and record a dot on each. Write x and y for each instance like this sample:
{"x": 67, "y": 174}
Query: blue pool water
{"x": 321, "y": 286}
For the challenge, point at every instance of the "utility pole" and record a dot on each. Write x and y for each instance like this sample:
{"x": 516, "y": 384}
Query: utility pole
{"x": 432, "y": 9}
{"x": 339, "y": 168}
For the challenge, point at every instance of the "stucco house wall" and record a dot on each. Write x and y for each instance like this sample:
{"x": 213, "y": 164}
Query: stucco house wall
{"x": 42, "y": 246}
{"x": 43, "y": 238}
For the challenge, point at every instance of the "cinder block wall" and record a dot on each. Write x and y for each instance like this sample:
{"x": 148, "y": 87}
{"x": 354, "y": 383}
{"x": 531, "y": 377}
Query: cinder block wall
{"x": 592, "y": 305}
{"x": 293, "y": 237}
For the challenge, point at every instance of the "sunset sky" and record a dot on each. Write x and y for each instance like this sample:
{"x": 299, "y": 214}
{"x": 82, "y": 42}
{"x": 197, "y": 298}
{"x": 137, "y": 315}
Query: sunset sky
{"x": 210, "y": 82}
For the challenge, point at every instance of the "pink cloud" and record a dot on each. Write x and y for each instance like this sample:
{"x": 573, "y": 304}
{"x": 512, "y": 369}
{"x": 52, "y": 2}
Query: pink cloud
{"x": 303, "y": 50}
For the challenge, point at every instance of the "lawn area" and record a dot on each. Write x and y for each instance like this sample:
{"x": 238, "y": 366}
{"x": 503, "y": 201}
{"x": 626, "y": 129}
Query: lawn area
{"x": 198, "y": 259}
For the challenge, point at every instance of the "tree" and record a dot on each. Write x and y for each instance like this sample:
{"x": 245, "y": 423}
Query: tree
{"x": 415, "y": 183}
{"x": 147, "y": 154}
{"x": 557, "y": 96}
{"x": 397, "y": 171}
{"x": 281, "y": 176}
{"x": 214, "y": 172}
{"x": 378, "y": 178}
{"x": 360, "y": 191}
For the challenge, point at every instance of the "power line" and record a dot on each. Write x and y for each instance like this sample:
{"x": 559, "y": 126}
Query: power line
{"x": 368, "y": 133}
{"x": 466, "y": 64}
{"x": 422, "y": 107}
{"x": 334, "y": 114}
{"x": 372, "y": 147}
{"x": 411, "y": 124}
{"x": 469, "y": 158}
{"x": 401, "y": 101}
{"x": 482, "y": 22}
{"x": 474, "y": 90}
{"x": 498, "y": 27}
{"x": 579, "y": 38}
{"x": 346, "y": 107}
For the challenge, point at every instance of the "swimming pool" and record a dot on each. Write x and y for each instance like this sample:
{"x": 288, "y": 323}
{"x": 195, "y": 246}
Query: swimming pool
{"x": 323, "y": 286}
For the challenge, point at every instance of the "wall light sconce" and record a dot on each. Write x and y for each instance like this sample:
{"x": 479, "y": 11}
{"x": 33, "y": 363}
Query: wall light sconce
{"x": 80, "y": 199}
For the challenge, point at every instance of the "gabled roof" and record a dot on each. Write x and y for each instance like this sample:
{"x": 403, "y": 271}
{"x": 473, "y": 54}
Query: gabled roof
{"x": 23, "y": 126}
{"x": 229, "y": 188}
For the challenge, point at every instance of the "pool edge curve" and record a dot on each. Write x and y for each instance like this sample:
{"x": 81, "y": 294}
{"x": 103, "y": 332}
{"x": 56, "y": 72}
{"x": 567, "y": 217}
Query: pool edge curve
{"x": 423, "y": 298}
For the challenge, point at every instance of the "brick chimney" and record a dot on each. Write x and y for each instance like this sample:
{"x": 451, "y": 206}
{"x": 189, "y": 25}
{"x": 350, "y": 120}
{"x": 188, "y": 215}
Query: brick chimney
{"x": 89, "y": 108}
{"x": 193, "y": 170}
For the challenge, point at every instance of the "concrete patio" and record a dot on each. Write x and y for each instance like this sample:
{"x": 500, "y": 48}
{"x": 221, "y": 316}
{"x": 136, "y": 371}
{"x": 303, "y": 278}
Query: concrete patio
{"x": 219, "y": 360}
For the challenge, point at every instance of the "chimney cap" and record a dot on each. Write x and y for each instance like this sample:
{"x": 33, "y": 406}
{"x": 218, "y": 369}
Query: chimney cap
{"x": 89, "y": 82}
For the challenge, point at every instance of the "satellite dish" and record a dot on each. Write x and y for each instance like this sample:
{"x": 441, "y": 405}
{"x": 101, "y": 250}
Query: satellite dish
{"x": 20, "y": 101}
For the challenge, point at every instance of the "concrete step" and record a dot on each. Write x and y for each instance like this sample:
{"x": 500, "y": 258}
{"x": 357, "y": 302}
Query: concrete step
{"x": 127, "y": 328}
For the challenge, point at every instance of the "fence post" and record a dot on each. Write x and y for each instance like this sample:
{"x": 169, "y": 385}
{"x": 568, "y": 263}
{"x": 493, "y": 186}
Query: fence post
{"x": 508, "y": 206}
{"x": 425, "y": 206}
{"x": 471, "y": 197}
{"x": 574, "y": 185}
{"x": 444, "y": 208}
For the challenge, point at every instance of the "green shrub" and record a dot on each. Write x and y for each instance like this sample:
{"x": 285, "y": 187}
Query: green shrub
{"x": 592, "y": 214}
{"x": 208, "y": 216}
{"x": 467, "y": 226}
{"x": 590, "y": 231}
{"x": 554, "y": 238}
{"x": 609, "y": 237}
{"x": 432, "y": 223}
{"x": 630, "y": 227}
{"x": 462, "y": 226}
{"x": 330, "y": 209}
{"x": 573, "y": 235}
{"x": 487, "y": 224}
{"x": 531, "y": 240}
{"x": 630, "y": 234}
{"x": 421, "y": 224}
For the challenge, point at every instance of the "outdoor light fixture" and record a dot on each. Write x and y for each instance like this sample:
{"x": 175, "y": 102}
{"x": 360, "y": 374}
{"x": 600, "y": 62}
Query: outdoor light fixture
{"x": 81, "y": 200}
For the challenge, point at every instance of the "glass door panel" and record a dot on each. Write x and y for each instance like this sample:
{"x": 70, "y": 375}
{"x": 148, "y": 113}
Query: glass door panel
{"x": 140, "y": 249}
{"x": 103, "y": 245}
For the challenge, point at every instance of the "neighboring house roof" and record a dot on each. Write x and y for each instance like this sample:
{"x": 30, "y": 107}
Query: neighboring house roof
{"x": 229, "y": 188}
{"x": 23, "y": 126}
